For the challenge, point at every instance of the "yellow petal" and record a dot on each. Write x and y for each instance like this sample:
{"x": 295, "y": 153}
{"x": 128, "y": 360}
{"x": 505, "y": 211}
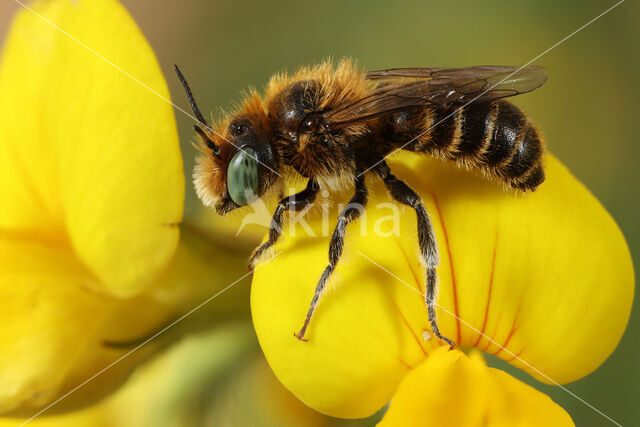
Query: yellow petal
{"x": 547, "y": 276}
{"x": 453, "y": 390}
{"x": 161, "y": 391}
{"x": 91, "y": 191}
{"x": 89, "y": 157}
{"x": 56, "y": 333}
{"x": 197, "y": 381}
{"x": 54, "y": 329}
{"x": 48, "y": 315}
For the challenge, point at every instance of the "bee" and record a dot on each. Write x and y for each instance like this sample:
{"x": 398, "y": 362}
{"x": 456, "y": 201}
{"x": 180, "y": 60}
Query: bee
{"x": 333, "y": 126}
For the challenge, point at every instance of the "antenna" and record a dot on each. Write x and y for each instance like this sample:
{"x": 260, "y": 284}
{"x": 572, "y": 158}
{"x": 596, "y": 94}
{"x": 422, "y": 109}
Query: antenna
{"x": 192, "y": 100}
{"x": 203, "y": 135}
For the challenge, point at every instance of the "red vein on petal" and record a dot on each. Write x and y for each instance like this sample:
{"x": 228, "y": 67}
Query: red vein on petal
{"x": 453, "y": 275}
{"x": 406, "y": 323}
{"x": 493, "y": 334}
{"x": 486, "y": 310}
{"x": 405, "y": 364}
{"x": 515, "y": 356}
{"x": 512, "y": 331}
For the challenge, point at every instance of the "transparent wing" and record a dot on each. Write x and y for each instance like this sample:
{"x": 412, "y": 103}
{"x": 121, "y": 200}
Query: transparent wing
{"x": 402, "y": 88}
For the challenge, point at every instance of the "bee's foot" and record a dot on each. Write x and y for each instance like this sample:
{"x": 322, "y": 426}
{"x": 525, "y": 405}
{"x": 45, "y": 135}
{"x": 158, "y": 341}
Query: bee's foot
{"x": 452, "y": 345}
{"x": 253, "y": 259}
{"x": 256, "y": 255}
{"x": 436, "y": 332}
{"x": 300, "y": 336}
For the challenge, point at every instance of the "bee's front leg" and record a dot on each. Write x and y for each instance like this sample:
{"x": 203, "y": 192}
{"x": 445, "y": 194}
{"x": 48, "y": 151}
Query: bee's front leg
{"x": 402, "y": 193}
{"x": 352, "y": 211}
{"x": 295, "y": 202}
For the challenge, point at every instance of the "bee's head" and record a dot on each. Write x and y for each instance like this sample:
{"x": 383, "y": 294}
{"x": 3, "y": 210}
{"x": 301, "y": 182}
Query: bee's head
{"x": 236, "y": 164}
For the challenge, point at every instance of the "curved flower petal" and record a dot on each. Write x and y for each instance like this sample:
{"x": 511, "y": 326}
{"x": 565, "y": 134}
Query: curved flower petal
{"x": 48, "y": 286}
{"x": 92, "y": 190}
{"x": 56, "y": 333}
{"x": 544, "y": 281}
{"x": 453, "y": 390}
{"x": 89, "y": 157}
{"x": 197, "y": 381}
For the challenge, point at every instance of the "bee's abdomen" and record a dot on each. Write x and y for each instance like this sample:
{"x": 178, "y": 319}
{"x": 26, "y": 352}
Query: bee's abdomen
{"x": 495, "y": 137}
{"x": 499, "y": 138}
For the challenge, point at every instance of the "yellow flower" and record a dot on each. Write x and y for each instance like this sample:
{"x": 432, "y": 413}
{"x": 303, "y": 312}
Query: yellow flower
{"x": 451, "y": 389}
{"x": 543, "y": 281}
{"x": 92, "y": 191}
{"x": 199, "y": 381}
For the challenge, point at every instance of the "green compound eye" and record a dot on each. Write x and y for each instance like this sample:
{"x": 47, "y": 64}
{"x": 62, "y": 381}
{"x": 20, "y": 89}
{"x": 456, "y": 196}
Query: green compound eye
{"x": 242, "y": 177}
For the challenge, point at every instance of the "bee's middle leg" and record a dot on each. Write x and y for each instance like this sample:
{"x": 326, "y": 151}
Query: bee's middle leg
{"x": 402, "y": 193}
{"x": 351, "y": 212}
{"x": 295, "y": 202}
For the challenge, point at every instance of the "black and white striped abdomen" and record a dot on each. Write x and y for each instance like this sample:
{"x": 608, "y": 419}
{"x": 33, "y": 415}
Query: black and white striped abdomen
{"x": 495, "y": 137}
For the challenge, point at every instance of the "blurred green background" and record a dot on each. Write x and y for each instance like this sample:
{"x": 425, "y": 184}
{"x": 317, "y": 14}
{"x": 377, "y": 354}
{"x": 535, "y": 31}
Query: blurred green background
{"x": 587, "y": 110}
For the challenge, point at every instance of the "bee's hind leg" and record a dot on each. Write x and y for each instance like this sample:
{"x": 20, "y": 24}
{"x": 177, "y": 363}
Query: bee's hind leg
{"x": 402, "y": 193}
{"x": 295, "y": 202}
{"x": 352, "y": 211}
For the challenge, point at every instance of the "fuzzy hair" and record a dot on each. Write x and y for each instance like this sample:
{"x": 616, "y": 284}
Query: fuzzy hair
{"x": 342, "y": 82}
{"x": 210, "y": 172}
